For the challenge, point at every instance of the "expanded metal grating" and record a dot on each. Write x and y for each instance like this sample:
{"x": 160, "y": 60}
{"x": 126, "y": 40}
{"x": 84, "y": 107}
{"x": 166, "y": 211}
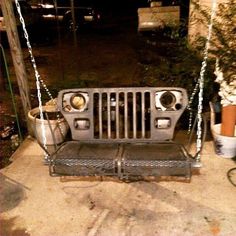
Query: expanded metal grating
{"x": 121, "y": 160}
{"x": 85, "y": 167}
{"x": 154, "y": 163}
{"x": 74, "y": 158}
{"x": 158, "y": 159}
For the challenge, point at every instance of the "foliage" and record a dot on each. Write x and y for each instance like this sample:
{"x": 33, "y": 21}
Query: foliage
{"x": 223, "y": 43}
{"x": 169, "y": 61}
{"x": 227, "y": 90}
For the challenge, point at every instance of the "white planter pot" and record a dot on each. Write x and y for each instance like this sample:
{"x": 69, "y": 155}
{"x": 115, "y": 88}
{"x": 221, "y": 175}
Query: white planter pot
{"x": 59, "y": 127}
{"x": 224, "y": 146}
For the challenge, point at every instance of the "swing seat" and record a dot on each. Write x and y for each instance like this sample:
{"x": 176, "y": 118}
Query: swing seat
{"x": 122, "y": 132}
{"x": 126, "y": 161}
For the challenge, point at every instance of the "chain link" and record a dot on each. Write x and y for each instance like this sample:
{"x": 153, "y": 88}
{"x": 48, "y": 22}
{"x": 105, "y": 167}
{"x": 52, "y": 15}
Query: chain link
{"x": 190, "y": 121}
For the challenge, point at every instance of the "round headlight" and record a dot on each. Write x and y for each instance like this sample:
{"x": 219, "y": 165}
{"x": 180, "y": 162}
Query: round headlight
{"x": 168, "y": 100}
{"x": 78, "y": 102}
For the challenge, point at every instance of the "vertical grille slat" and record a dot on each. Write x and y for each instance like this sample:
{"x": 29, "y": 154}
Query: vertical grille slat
{"x": 126, "y": 115}
{"x": 134, "y": 117}
{"x": 147, "y": 114}
{"x": 143, "y": 114}
{"x": 108, "y": 115}
{"x": 117, "y": 115}
{"x": 121, "y": 114}
{"x": 100, "y": 114}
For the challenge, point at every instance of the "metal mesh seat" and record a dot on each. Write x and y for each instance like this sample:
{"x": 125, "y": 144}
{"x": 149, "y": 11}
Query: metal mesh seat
{"x": 79, "y": 159}
{"x": 122, "y": 160}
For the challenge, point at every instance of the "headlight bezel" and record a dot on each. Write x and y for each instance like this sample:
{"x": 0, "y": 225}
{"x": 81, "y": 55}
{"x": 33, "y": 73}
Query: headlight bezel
{"x": 169, "y": 100}
{"x": 79, "y": 101}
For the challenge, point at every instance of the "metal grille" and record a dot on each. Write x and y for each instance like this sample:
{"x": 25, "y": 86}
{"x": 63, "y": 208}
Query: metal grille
{"x": 122, "y": 115}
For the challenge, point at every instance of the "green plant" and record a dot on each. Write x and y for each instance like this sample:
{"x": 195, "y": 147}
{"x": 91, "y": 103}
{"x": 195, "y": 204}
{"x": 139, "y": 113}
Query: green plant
{"x": 174, "y": 63}
{"x": 223, "y": 43}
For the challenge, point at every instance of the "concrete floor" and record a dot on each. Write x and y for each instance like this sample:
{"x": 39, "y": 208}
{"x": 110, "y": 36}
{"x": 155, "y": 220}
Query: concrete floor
{"x": 33, "y": 203}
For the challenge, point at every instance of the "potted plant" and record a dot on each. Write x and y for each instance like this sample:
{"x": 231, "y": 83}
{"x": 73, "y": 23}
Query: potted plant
{"x": 55, "y": 125}
{"x": 227, "y": 93}
{"x": 224, "y": 133}
{"x": 224, "y": 50}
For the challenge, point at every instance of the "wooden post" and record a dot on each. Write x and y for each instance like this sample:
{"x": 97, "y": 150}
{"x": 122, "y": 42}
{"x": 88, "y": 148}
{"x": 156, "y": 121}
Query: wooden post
{"x": 74, "y": 21}
{"x": 2, "y": 68}
{"x": 16, "y": 53}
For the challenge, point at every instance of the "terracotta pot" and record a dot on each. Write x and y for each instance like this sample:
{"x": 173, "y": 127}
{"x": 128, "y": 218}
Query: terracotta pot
{"x": 228, "y": 120}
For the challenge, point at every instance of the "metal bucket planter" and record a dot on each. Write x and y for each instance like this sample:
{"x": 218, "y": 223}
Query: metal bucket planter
{"x": 224, "y": 146}
{"x": 55, "y": 128}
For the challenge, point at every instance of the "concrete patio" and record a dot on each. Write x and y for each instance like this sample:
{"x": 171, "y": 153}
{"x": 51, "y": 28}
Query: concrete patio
{"x": 33, "y": 203}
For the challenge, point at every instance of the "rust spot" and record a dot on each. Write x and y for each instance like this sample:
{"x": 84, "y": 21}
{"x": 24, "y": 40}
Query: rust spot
{"x": 214, "y": 226}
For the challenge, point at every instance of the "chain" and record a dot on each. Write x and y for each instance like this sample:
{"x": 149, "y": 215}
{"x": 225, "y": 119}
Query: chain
{"x": 37, "y": 76}
{"x": 190, "y": 121}
{"x": 38, "y": 81}
{"x": 201, "y": 81}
